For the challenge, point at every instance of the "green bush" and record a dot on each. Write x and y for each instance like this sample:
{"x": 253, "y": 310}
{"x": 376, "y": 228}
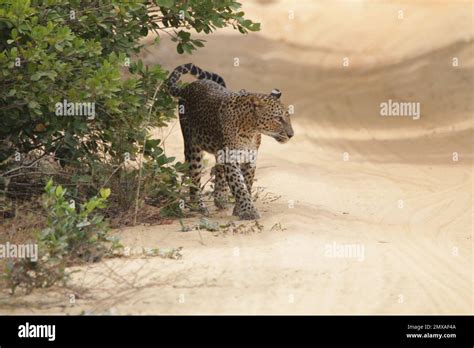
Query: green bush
{"x": 73, "y": 234}
{"x": 47, "y": 57}
{"x": 79, "y": 232}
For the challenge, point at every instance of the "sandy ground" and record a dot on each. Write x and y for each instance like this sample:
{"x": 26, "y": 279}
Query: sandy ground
{"x": 387, "y": 185}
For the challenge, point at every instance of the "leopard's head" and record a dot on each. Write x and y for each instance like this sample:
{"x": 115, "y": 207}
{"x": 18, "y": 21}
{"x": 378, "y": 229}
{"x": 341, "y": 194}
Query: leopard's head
{"x": 272, "y": 117}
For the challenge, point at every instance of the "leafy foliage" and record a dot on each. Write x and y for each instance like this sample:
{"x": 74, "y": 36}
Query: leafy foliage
{"x": 78, "y": 233}
{"x": 47, "y": 58}
{"x": 72, "y": 234}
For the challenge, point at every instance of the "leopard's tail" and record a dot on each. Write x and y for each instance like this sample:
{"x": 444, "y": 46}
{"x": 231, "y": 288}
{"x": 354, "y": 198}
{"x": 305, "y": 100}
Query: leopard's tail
{"x": 172, "y": 81}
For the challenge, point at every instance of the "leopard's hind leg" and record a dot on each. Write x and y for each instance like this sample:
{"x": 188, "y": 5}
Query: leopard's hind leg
{"x": 194, "y": 157}
{"x": 221, "y": 188}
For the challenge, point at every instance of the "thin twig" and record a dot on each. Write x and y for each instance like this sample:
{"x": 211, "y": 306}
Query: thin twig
{"x": 25, "y": 166}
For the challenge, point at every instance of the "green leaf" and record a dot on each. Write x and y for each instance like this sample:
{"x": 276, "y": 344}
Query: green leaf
{"x": 33, "y": 104}
{"x": 59, "y": 191}
{"x": 105, "y": 193}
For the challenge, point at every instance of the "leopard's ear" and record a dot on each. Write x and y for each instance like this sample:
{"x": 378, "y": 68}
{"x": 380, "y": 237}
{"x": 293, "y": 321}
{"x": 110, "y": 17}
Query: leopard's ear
{"x": 276, "y": 93}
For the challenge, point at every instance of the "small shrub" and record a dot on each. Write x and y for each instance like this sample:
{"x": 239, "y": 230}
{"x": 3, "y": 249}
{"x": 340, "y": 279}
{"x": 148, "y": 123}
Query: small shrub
{"x": 77, "y": 233}
{"x": 73, "y": 234}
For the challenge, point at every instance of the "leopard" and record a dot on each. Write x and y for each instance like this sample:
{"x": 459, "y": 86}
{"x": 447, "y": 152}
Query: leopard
{"x": 228, "y": 125}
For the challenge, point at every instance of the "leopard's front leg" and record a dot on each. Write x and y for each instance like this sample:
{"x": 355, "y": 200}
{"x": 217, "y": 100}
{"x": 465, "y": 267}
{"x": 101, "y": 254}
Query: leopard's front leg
{"x": 244, "y": 207}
